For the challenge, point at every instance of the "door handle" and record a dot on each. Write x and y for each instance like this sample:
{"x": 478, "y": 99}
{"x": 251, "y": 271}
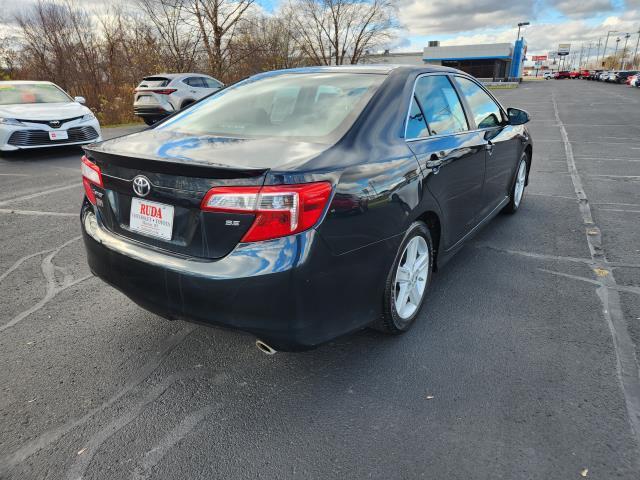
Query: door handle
{"x": 435, "y": 162}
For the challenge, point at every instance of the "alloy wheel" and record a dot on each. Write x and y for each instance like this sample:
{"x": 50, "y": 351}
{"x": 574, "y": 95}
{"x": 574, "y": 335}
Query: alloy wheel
{"x": 520, "y": 183}
{"x": 411, "y": 277}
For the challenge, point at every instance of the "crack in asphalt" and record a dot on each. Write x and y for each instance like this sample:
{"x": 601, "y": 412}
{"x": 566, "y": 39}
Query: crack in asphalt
{"x": 48, "y": 437}
{"x": 626, "y": 362}
{"x": 52, "y": 289}
{"x": 152, "y": 457}
{"x": 78, "y": 468}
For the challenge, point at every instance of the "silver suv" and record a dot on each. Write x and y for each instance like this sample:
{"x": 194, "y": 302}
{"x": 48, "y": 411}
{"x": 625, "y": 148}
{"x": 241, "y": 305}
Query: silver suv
{"x": 163, "y": 94}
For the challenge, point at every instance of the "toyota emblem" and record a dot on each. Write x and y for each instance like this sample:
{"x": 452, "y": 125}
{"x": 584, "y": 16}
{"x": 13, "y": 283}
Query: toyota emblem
{"x": 141, "y": 185}
{"x": 54, "y": 123}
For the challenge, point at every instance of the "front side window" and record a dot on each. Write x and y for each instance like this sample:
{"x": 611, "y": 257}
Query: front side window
{"x": 20, "y": 93}
{"x": 306, "y": 105}
{"x": 440, "y": 104}
{"x": 485, "y": 111}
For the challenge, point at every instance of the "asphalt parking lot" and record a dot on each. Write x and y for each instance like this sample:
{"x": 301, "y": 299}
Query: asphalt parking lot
{"x": 523, "y": 365}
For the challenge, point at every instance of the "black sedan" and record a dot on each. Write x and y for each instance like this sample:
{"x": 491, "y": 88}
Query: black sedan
{"x": 301, "y": 205}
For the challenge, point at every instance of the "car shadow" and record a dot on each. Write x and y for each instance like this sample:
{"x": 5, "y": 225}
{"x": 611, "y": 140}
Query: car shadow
{"x": 38, "y": 154}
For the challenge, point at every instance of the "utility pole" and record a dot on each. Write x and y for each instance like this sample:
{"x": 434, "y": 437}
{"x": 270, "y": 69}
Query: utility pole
{"x": 588, "y": 55}
{"x": 598, "y": 52}
{"x": 604, "y": 52}
{"x": 635, "y": 54}
{"x": 580, "y": 59}
{"x": 615, "y": 53}
{"x": 624, "y": 51}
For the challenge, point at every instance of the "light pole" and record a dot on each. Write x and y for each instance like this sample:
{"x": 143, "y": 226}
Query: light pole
{"x": 604, "y": 52}
{"x": 616, "y": 50}
{"x": 598, "y": 52}
{"x": 521, "y": 24}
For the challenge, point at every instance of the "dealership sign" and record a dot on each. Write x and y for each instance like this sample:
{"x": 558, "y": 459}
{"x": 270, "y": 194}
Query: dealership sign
{"x": 564, "y": 48}
{"x": 538, "y": 58}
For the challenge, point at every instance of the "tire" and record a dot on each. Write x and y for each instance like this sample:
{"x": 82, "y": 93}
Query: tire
{"x": 397, "y": 319}
{"x": 149, "y": 120}
{"x": 519, "y": 184}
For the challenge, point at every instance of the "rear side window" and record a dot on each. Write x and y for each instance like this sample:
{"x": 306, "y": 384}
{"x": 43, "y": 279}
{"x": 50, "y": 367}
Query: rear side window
{"x": 416, "y": 125}
{"x": 485, "y": 111}
{"x": 440, "y": 104}
{"x": 210, "y": 83}
{"x": 154, "y": 82}
{"x": 195, "y": 82}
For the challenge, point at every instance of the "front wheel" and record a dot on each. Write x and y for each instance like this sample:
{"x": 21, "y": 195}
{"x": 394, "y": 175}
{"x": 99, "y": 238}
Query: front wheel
{"x": 519, "y": 184}
{"x": 408, "y": 280}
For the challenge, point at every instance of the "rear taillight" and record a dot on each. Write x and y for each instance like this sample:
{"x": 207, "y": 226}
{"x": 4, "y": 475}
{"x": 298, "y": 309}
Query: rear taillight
{"x": 90, "y": 174}
{"x": 161, "y": 91}
{"x": 280, "y": 210}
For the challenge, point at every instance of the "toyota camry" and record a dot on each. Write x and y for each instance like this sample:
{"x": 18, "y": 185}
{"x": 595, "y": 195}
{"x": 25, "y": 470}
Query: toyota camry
{"x": 41, "y": 114}
{"x": 301, "y": 205}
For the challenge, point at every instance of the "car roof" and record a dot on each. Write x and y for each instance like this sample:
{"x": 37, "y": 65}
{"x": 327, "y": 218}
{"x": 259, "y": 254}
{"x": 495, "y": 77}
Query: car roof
{"x": 384, "y": 68}
{"x": 178, "y": 75}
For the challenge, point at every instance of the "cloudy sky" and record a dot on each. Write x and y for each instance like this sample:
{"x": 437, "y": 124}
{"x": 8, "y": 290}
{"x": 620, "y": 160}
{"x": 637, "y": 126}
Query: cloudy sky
{"x": 578, "y": 22}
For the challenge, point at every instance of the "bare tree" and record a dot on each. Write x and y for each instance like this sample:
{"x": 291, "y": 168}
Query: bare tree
{"x": 178, "y": 39}
{"x": 340, "y": 31}
{"x": 217, "y": 22}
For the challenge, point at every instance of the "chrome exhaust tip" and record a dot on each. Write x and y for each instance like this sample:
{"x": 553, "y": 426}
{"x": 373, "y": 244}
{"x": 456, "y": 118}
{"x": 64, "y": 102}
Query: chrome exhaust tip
{"x": 264, "y": 348}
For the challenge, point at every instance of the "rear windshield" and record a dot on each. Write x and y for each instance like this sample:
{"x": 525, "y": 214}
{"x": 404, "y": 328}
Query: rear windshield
{"x": 18, "y": 93}
{"x": 154, "y": 82}
{"x": 312, "y": 106}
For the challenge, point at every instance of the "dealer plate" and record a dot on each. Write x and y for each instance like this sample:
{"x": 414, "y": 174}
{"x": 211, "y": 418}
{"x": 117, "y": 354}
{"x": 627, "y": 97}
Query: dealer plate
{"x": 151, "y": 218}
{"x": 59, "y": 135}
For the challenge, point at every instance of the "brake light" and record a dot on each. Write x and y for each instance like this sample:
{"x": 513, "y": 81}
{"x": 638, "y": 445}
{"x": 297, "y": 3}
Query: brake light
{"x": 90, "y": 174}
{"x": 280, "y": 210}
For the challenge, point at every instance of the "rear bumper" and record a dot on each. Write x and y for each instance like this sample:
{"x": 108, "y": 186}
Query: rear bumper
{"x": 151, "y": 111}
{"x": 291, "y": 292}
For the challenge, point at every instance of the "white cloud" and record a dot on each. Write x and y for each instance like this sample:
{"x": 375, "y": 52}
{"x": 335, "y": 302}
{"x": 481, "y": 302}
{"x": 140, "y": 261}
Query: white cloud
{"x": 432, "y": 17}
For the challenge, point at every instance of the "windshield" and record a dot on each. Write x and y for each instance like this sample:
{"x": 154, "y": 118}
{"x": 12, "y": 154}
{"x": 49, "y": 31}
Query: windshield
{"x": 18, "y": 93}
{"x": 312, "y": 106}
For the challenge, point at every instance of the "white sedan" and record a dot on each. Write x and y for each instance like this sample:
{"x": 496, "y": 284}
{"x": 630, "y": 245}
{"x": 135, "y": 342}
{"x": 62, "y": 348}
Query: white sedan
{"x": 41, "y": 114}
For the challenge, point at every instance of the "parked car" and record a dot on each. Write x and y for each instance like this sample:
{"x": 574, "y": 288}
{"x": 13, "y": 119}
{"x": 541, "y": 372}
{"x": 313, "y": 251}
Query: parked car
{"x": 634, "y": 80}
{"x": 161, "y": 95}
{"x": 621, "y": 77}
{"x": 584, "y": 73}
{"x": 41, "y": 114}
{"x": 603, "y": 75}
{"x": 547, "y": 75}
{"x": 594, "y": 74}
{"x": 574, "y": 74}
{"x": 304, "y": 204}
{"x": 562, "y": 74}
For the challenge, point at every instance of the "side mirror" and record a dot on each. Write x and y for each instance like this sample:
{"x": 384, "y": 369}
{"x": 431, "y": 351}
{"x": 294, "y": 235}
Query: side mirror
{"x": 80, "y": 100}
{"x": 517, "y": 116}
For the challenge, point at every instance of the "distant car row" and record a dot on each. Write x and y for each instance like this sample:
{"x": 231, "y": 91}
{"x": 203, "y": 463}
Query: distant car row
{"x": 628, "y": 77}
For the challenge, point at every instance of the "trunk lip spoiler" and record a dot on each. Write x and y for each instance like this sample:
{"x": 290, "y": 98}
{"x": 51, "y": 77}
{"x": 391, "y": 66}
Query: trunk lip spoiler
{"x": 174, "y": 166}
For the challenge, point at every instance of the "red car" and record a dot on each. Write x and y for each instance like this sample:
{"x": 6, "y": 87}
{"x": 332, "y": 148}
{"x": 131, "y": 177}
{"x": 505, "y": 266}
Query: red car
{"x": 584, "y": 73}
{"x": 561, "y": 75}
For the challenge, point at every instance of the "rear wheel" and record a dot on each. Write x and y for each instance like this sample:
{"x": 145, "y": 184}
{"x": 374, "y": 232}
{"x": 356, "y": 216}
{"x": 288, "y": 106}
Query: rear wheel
{"x": 519, "y": 184}
{"x": 408, "y": 280}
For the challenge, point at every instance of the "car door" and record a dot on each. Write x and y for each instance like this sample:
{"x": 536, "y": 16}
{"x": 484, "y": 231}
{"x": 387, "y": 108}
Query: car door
{"x": 450, "y": 154}
{"x": 211, "y": 84}
{"x": 197, "y": 88}
{"x": 503, "y": 142}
